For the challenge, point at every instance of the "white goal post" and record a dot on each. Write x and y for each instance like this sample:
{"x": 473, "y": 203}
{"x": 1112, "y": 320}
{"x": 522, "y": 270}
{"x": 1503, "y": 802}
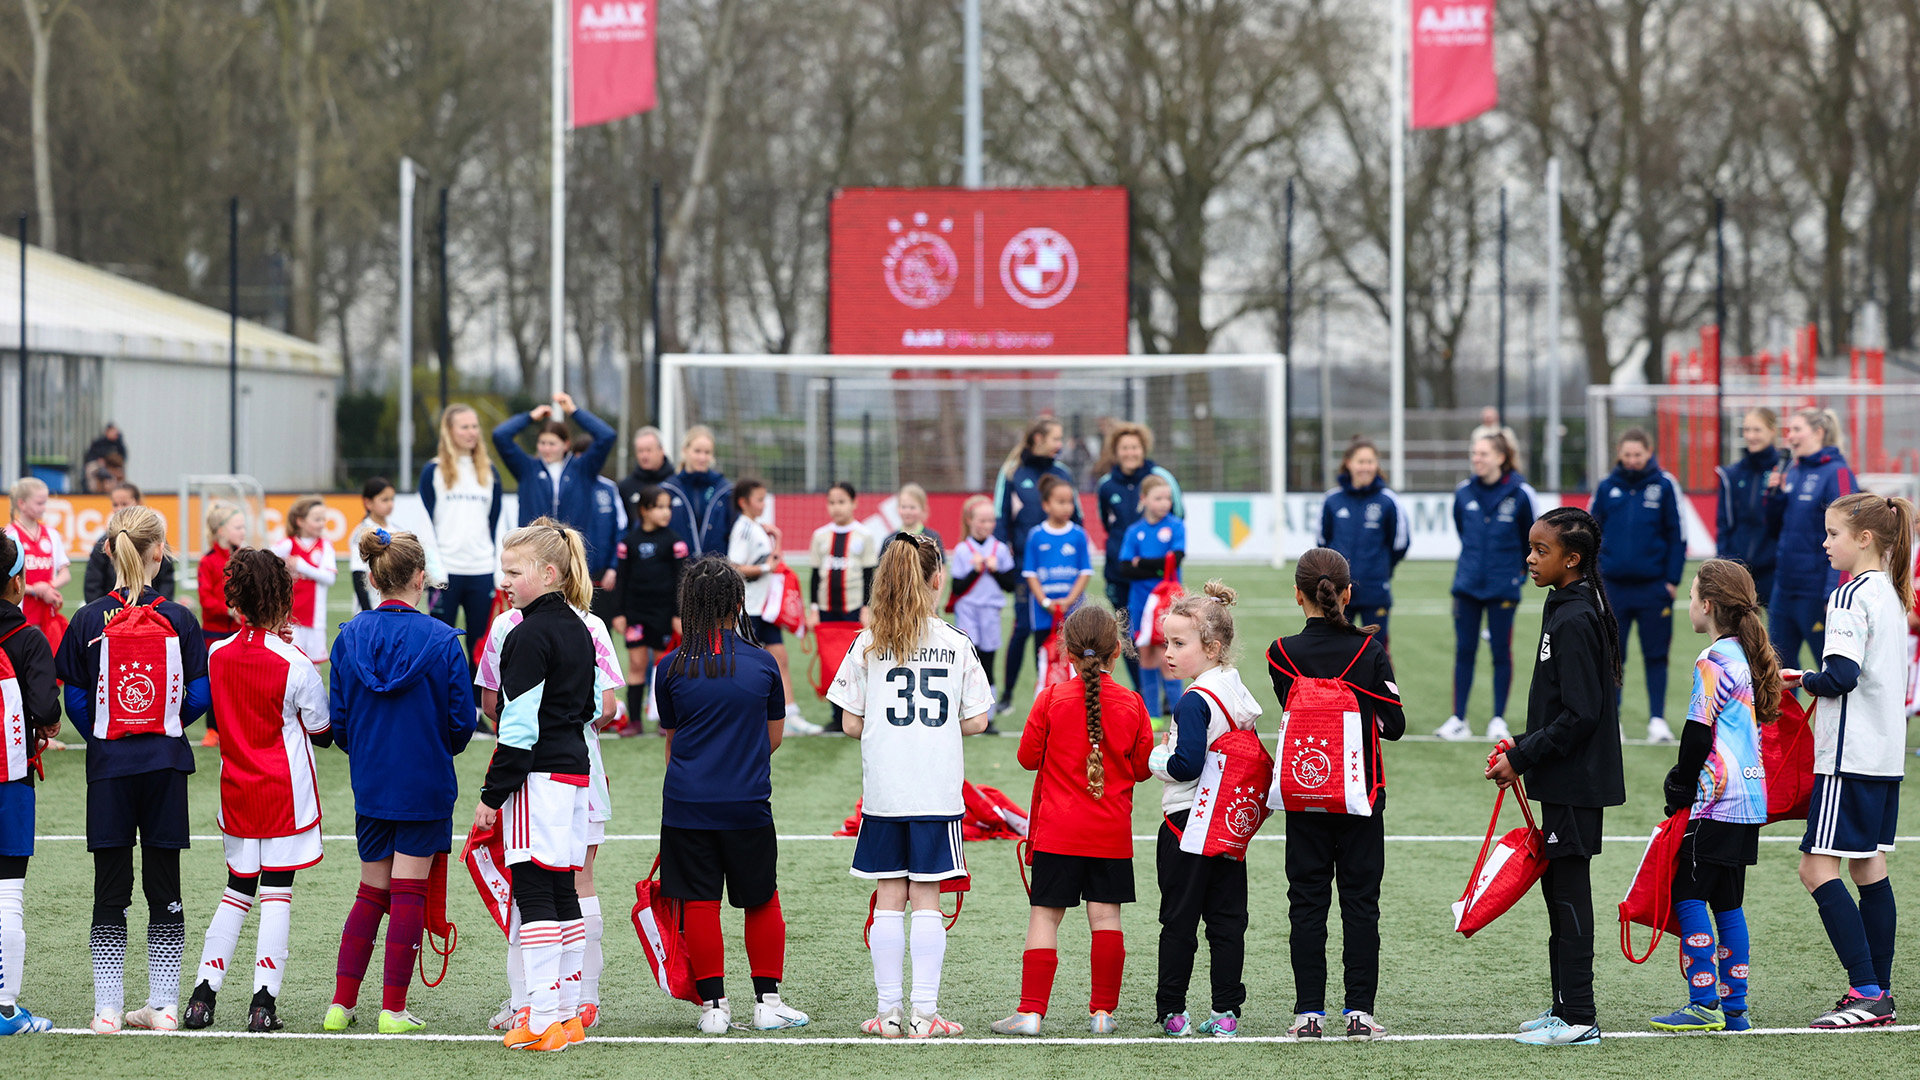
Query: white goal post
{"x": 799, "y": 422}
{"x": 198, "y": 491}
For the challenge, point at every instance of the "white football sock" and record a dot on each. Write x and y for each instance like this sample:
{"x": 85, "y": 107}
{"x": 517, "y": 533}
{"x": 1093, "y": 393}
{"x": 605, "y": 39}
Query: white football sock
{"x": 929, "y": 954}
{"x": 592, "y": 963}
{"x": 887, "y": 941}
{"x": 540, "y": 956}
{"x": 108, "y": 944}
{"x": 166, "y": 945}
{"x": 516, "y": 962}
{"x": 13, "y": 938}
{"x": 276, "y": 920}
{"x": 223, "y": 937}
{"x": 573, "y": 947}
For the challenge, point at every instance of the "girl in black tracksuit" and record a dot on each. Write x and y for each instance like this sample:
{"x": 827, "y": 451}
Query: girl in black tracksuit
{"x": 1324, "y": 846}
{"x": 1569, "y": 757}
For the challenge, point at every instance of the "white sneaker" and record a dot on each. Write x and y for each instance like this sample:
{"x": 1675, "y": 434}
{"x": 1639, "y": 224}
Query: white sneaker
{"x": 1102, "y": 1023}
{"x": 1020, "y": 1023}
{"x": 800, "y": 725}
{"x": 924, "y": 1025}
{"x": 1497, "y": 729}
{"x": 716, "y": 1018}
{"x": 1454, "y": 730}
{"x": 152, "y": 1019}
{"x": 772, "y": 1014}
{"x": 503, "y": 1020}
{"x": 1658, "y": 732}
{"x": 887, "y": 1025}
{"x": 107, "y": 1022}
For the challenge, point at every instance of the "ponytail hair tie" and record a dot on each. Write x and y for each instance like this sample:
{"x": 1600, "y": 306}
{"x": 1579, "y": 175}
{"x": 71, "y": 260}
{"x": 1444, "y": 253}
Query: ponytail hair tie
{"x": 385, "y": 536}
{"x": 1087, "y": 653}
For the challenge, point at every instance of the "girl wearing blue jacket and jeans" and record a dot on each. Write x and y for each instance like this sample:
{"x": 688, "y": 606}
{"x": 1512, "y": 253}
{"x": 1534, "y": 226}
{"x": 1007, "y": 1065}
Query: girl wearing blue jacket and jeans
{"x": 1363, "y": 521}
{"x": 703, "y": 509}
{"x": 1797, "y": 510}
{"x": 1016, "y": 493}
{"x": 402, "y": 707}
{"x": 557, "y": 484}
{"x": 1643, "y": 550}
{"x": 1492, "y": 511}
{"x": 1741, "y": 530}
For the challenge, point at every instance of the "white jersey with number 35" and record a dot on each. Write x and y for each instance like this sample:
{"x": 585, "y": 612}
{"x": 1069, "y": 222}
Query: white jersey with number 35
{"x": 911, "y": 762}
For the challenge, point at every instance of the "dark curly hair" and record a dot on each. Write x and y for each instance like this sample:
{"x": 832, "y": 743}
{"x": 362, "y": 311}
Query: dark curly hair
{"x": 260, "y": 588}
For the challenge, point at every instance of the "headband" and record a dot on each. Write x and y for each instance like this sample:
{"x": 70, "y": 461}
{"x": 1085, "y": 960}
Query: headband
{"x": 19, "y": 561}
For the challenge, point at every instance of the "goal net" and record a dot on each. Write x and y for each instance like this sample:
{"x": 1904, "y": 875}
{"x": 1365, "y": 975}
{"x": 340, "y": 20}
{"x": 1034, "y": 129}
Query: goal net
{"x": 198, "y": 493}
{"x": 801, "y": 423}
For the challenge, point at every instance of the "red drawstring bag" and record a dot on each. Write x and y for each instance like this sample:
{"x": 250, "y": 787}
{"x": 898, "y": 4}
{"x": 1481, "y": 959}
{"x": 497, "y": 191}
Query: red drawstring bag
{"x": 1504, "y": 872}
{"x": 1153, "y": 617}
{"x": 1649, "y": 899}
{"x": 791, "y": 614}
{"x": 1053, "y": 665}
{"x": 990, "y": 815}
{"x": 831, "y": 642}
{"x": 442, "y": 936}
{"x": 1786, "y": 753}
{"x": 141, "y": 681}
{"x": 486, "y": 857}
{"x": 1313, "y": 773}
{"x": 502, "y": 603}
{"x": 1230, "y": 803}
{"x": 21, "y": 751}
{"x": 656, "y": 918}
{"x": 958, "y": 886}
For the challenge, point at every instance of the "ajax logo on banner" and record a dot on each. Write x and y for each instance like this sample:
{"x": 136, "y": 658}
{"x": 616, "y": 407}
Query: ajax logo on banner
{"x": 920, "y": 266}
{"x": 1038, "y": 268}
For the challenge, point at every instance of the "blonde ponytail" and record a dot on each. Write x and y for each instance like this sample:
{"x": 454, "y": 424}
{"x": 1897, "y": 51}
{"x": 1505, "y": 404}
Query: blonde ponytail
{"x": 553, "y": 544}
{"x": 132, "y": 534}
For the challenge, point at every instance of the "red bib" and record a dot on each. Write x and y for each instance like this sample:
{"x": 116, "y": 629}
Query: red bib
{"x": 141, "y": 681}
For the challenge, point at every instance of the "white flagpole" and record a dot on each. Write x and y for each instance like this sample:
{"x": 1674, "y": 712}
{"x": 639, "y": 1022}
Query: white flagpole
{"x": 1551, "y": 482}
{"x": 557, "y": 273}
{"x": 1397, "y": 252}
{"x": 406, "y": 322}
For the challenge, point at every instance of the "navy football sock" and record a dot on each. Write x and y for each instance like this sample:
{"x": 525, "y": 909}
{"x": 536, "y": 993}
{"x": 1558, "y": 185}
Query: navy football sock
{"x": 1877, "y": 916}
{"x": 1848, "y": 934}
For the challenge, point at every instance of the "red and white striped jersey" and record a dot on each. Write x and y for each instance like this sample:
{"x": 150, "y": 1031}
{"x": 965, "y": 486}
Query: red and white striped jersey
{"x": 313, "y": 572}
{"x": 269, "y": 698}
{"x": 46, "y": 554}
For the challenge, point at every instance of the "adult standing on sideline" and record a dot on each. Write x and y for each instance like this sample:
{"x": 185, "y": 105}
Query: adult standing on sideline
{"x": 650, "y": 469}
{"x": 1797, "y": 502}
{"x": 461, "y": 493}
{"x": 99, "y": 579}
{"x": 1643, "y": 552}
{"x": 1492, "y": 511}
{"x": 105, "y": 462}
{"x": 702, "y": 496}
{"x": 1362, "y": 520}
{"x": 1126, "y": 456}
{"x": 558, "y": 484}
{"x": 603, "y": 532}
{"x": 1016, "y": 492}
{"x": 1741, "y": 531}
{"x": 1491, "y": 423}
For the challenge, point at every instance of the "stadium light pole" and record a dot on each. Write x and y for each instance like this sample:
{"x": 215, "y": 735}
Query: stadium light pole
{"x": 1286, "y": 328}
{"x": 970, "y": 169}
{"x": 408, "y": 173}
{"x": 25, "y": 470}
{"x": 1553, "y": 326}
{"x": 1500, "y": 337}
{"x": 233, "y": 335}
{"x": 1397, "y": 253}
{"x": 443, "y": 326}
{"x": 557, "y": 222}
{"x": 1719, "y": 328}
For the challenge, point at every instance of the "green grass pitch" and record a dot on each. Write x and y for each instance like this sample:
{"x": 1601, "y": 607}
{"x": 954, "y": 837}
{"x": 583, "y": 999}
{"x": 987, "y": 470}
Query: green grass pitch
{"x": 1435, "y": 986}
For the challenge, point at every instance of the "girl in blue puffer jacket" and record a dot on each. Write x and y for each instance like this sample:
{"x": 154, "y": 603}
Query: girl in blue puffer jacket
{"x": 1362, "y": 519}
{"x": 1492, "y": 511}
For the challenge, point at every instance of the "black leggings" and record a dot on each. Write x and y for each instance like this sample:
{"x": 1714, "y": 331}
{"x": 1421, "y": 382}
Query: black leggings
{"x": 12, "y": 867}
{"x": 113, "y": 885}
{"x": 1567, "y": 886}
{"x": 545, "y": 895}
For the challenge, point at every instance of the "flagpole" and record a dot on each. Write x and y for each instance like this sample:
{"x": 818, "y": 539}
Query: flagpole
{"x": 1397, "y": 250}
{"x": 1552, "y": 479}
{"x": 557, "y": 245}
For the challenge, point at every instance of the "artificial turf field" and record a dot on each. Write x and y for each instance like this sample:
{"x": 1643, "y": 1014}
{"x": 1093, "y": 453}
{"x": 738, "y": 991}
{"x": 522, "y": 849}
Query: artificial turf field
{"x": 1447, "y": 1001}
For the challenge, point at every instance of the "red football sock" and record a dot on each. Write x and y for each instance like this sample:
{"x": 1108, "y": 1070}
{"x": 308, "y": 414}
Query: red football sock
{"x": 766, "y": 940}
{"x": 705, "y": 947}
{"x": 1036, "y": 979}
{"x": 1109, "y": 961}
{"x": 356, "y": 944}
{"x": 405, "y": 923}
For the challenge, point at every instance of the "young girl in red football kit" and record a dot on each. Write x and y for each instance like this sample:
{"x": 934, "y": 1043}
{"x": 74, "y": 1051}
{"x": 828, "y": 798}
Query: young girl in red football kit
{"x": 310, "y": 559}
{"x": 1089, "y": 740}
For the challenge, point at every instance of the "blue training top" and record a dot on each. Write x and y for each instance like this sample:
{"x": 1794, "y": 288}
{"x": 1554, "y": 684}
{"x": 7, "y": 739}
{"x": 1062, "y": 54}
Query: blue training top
{"x": 1058, "y": 560}
{"x": 1368, "y": 526}
{"x": 720, "y": 774}
{"x": 1642, "y": 540}
{"x": 1150, "y": 542}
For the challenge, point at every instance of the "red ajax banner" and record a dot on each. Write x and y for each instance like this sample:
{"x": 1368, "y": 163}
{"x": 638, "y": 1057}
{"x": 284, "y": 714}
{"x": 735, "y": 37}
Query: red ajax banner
{"x": 951, "y": 270}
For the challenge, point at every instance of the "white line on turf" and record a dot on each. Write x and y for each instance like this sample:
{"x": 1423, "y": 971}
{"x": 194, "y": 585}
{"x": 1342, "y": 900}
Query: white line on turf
{"x": 844, "y": 1040}
{"x": 1138, "y": 838}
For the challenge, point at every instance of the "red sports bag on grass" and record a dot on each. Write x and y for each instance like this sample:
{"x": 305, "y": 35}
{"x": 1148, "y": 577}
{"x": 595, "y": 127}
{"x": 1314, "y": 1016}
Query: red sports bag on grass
{"x": 990, "y": 814}
{"x": 1649, "y": 899}
{"x": 141, "y": 681}
{"x": 486, "y": 857}
{"x": 1153, "y": 617}
{"x": 1323, "y": 744}
{"x": 1786, "y": 753}
{"x": 656, "y": 918}
{"x": 1504, "y": 872}
{"x": 831, "y": 643}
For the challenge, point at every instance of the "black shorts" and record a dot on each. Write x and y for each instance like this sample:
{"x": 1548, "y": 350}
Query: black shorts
{"x": 694, "y": 862}
{"x": 152, "y": 805}
{"x": 1062, "y": 881}
{"x": 1723, "y": 887}
{"x": 650, "y": 629}
{"x": 767, "y": 633}
{"x": 1570, "y": 830}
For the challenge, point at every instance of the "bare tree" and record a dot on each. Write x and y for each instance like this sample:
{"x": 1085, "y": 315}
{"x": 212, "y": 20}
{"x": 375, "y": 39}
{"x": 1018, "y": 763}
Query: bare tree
{"x": 43, "y": 16}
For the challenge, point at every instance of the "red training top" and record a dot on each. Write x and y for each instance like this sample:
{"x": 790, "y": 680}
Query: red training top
{"x": 214, "y": 618}
{"x": 1066, "y": 819}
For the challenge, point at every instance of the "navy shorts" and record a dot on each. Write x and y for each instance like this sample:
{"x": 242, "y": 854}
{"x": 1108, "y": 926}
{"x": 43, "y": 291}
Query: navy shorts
{"x": 918, "y": 849}
{"x": 149, "y": 805}
{"x": 1851, "y": 818}
{"x": 652, "y": 630}
{"x": 767, "y": 633}
{"x": 382, "y": 838}
{"x": 16, "y": 820}
{"x": 1062, "y": 881}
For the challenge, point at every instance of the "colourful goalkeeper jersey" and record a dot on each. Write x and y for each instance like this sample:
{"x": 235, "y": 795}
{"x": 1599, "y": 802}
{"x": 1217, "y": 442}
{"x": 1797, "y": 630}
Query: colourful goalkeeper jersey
{"x": 1732, "y": 787}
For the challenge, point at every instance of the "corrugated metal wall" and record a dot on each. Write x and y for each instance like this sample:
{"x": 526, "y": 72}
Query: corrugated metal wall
{"x": 174, "y": 417}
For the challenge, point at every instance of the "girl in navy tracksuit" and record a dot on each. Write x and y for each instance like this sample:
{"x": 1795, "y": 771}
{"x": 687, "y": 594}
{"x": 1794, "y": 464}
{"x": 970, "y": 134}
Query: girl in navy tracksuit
{"x": 1643, "y": 550}
{"x": 1363, "y": 521}
{"x": 558, "y": 483}
{"x": 1118, "y": 498}
{"x": 703, "y": 509}
{"x": 1492, "y": 511}
{"x": 1797, "y": 504}
{"x": 1017, "y": 496}
{"x": 1741, "y": 531}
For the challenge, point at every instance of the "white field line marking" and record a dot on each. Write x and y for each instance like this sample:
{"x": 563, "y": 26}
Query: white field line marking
{"x": 1010, "y": 1041}
{"x": 1138, "y": 838}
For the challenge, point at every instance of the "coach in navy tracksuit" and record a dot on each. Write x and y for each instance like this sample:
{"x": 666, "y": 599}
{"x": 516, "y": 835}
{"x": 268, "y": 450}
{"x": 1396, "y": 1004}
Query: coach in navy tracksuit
{"x": 1016, "y": 494}
{"x": 1797, "y": 509}
{"x": 702, "y": 497}
{"x": 1118, "y": 498}
{"x": 1362, "y": 520}
{"x": 1643, "y": 550}
{"x": 1492, "y": 511}
{"x": 557, "y": 484}
{"x": 1741, "y": 530}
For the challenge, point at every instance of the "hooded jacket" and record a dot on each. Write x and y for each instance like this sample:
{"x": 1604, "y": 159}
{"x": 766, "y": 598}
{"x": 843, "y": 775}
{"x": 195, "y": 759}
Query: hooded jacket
{"x": 1194, "y": 727}
{"x": 1493, "y": 521}
{"x": 703, "y": 510}
{"x": 1741, "y": 530}
{"x": 1367, "y": 526}
{"x": 1017, "y": 495}
{"x": 573, "y": 502}
{"x": 1641, "y": 538}
{"x": 1119, "y": 500}
{"x": 401, "y": 700}
{"x": 1570, "y": 753}
{"x": 1798, "y": 514}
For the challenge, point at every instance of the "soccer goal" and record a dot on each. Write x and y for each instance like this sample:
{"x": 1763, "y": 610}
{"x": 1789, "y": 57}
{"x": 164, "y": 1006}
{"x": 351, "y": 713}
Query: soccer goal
{"x": 198, "y": 491}
{"x": 947, "y": 423}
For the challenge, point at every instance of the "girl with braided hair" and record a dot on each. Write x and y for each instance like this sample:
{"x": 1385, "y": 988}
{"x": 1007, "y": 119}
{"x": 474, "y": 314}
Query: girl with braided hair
{"x": 1088, "y": 739}
{"x": 1570, "y": 757}
{"x": 1348, "y": 847}
{"x": 722, "y": 712}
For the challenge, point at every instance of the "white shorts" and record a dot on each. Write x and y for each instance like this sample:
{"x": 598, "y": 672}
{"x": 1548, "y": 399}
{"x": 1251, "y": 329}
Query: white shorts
{"x": 596, "y": 833}
{"x": 545, "y": 823}
{"x": 312, "y": 641}
{"x": 249, "y": 856}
